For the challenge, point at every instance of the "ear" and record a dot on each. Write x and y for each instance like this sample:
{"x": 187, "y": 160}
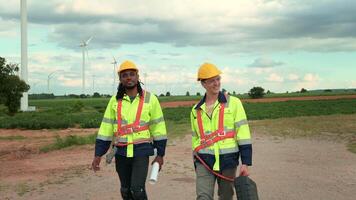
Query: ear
{"x": 202, "y": 84}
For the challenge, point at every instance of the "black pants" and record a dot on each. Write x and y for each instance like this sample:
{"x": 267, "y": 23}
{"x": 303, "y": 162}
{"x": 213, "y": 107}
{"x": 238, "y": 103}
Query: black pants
{"x": 132, "y": 173}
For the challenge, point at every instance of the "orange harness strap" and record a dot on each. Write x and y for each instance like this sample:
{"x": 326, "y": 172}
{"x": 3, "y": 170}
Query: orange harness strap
{"x": 130, "y": 128}
{"x": 220, "y": 134}
{"x": 208, "y": 140}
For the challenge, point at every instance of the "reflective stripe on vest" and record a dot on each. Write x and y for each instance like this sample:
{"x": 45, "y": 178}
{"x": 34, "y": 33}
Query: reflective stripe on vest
{"x": 130, "y": 128}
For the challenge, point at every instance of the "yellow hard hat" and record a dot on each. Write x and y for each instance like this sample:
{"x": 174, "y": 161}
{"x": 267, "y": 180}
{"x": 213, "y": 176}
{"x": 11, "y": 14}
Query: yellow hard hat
{"x": 127, "y": 65}
{"x": 207, "y": 70}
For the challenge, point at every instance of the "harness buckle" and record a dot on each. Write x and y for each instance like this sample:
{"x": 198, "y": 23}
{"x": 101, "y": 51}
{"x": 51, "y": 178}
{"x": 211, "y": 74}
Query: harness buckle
{"x": 206, "y": 142}
{"x": 221, "y": 133}
{"x": 129, "y": 130}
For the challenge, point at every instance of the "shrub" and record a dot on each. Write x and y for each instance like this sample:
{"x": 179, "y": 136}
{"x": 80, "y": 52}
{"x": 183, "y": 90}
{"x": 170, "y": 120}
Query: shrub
{"x": 256, "y": 92}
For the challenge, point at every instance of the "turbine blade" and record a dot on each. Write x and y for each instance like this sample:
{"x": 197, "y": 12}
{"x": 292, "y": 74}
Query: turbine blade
{"x": 88, "y": 40}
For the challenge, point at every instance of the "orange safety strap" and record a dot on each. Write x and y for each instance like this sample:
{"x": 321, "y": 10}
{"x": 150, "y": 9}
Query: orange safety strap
{"x": 220, "y": 134}
{"x": 212, "y": 171}
{"x": 130, "y": 128}
{"x": 208, "y": 140}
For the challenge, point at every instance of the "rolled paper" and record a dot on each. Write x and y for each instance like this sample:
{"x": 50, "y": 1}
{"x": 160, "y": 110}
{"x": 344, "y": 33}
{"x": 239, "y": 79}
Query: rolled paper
{"x": 154, "y": 173}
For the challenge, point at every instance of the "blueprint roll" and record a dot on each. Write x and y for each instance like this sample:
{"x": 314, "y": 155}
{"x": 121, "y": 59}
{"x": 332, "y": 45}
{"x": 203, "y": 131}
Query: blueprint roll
{"x": 154, "y": 173}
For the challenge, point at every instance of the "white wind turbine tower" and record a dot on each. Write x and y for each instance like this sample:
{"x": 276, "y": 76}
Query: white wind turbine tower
{"x": 84, "y": 45}
{"x": 24, "y": 72}
{"x": 114, "y": 75}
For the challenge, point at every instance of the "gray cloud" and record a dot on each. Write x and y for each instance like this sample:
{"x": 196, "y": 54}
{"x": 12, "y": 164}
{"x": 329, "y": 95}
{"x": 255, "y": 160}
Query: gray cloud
{"x": 265, "y": 63}
{"x": 294, "y": 25}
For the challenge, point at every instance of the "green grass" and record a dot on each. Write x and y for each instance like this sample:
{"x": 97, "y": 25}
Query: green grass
{"x": 62, "y": 113}
{"x": 351, "y": 146}
{"x": 12, "y": 137}
{"x": 273, "y": 110}
{"x": 22, "y": 188}
{"x": 71, "y": 140}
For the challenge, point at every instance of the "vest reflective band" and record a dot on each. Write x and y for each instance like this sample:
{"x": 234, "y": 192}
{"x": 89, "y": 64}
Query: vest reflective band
{"x": 220, "y": 134}
{"x": 130, "y": 128}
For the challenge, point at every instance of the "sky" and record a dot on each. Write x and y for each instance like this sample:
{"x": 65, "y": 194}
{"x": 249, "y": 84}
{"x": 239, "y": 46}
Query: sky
{"x": 280, "y": 45}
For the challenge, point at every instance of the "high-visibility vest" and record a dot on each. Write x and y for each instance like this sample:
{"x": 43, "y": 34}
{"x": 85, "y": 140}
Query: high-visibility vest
{"x": 130, "y": 128}
{"x": 223, "y": 135}
{"x": 145, "y": 123}
{"x": 208, "y": 140}
{"x": 220, "y": 134}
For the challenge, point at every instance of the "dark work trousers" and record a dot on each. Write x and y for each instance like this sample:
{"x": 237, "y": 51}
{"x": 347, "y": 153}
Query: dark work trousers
{"x": 132, "y": 172}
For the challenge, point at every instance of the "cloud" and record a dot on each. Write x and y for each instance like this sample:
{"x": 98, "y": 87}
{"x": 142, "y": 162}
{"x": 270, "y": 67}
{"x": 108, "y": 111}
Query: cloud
{"x": 293, "y": 77}
{"x": 275, "y": 78}
{"x": 245, "y": 26}
{"x": 309, "y": 81}
{"x": 265, "y": 63}
{"x": 8, "y": 28}
{"x": 352, "y": 84}
{"x": 311, "y": 77}
{"x": 67, "y": 82}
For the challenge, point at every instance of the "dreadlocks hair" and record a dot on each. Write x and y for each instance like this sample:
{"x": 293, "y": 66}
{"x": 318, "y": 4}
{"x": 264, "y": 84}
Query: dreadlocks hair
{"x": 121, "y": 90}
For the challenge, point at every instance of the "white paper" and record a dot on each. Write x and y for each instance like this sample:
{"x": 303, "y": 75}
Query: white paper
{"x": 154, "y": 173}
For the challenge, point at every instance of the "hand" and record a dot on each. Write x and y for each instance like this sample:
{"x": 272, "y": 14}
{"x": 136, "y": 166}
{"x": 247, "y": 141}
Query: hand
{"x": 95, "y": 164}
{"x": 244, "y": 170}
{"x": 158, "y": 159}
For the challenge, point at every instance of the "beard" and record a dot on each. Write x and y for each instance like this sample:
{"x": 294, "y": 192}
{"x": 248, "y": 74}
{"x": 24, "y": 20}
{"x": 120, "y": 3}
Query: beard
{"x": 129, "y": 87}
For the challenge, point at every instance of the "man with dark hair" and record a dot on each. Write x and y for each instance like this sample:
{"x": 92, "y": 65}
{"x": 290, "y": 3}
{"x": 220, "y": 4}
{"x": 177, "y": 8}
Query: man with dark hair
{"x": 133, "y": 122}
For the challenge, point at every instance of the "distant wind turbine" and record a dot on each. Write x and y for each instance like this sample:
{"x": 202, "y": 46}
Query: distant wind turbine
{"x": 84, "y": 46}
{"x": 114, "y": 74}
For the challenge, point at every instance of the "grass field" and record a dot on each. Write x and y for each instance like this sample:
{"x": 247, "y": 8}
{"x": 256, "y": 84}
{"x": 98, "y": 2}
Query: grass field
{"x": 87, "y": 113}
{"x": 271, "y": 95}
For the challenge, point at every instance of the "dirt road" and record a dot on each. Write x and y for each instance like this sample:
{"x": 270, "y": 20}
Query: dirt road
{"x": 284, "y": 168}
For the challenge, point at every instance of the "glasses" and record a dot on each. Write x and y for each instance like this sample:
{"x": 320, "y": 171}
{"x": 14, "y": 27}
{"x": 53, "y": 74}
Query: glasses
{"x": 212, "y": 80}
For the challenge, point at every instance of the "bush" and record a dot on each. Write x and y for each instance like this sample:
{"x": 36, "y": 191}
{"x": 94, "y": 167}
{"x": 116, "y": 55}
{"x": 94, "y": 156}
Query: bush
{"x": 303, "y": 90}
{"x": 96, "y": 95}
{"x": 11, "y": 86}
{"x": 256, "y": 92}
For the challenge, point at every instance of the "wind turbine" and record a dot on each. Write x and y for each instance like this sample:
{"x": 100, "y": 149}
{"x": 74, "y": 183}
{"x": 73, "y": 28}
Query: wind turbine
{"x": 24, "y": 57}
{"x": 50, "y": 75}
{"x": 93, "y": 83}
{"x": 145, "y": 80}
{"x": 114, "y": 75}
{"x": 84, "y": 45}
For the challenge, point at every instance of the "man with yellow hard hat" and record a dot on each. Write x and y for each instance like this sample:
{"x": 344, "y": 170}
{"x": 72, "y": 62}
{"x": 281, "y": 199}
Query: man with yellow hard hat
{"x": 220, "y": 137}
{"x": 133, "y": 123}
